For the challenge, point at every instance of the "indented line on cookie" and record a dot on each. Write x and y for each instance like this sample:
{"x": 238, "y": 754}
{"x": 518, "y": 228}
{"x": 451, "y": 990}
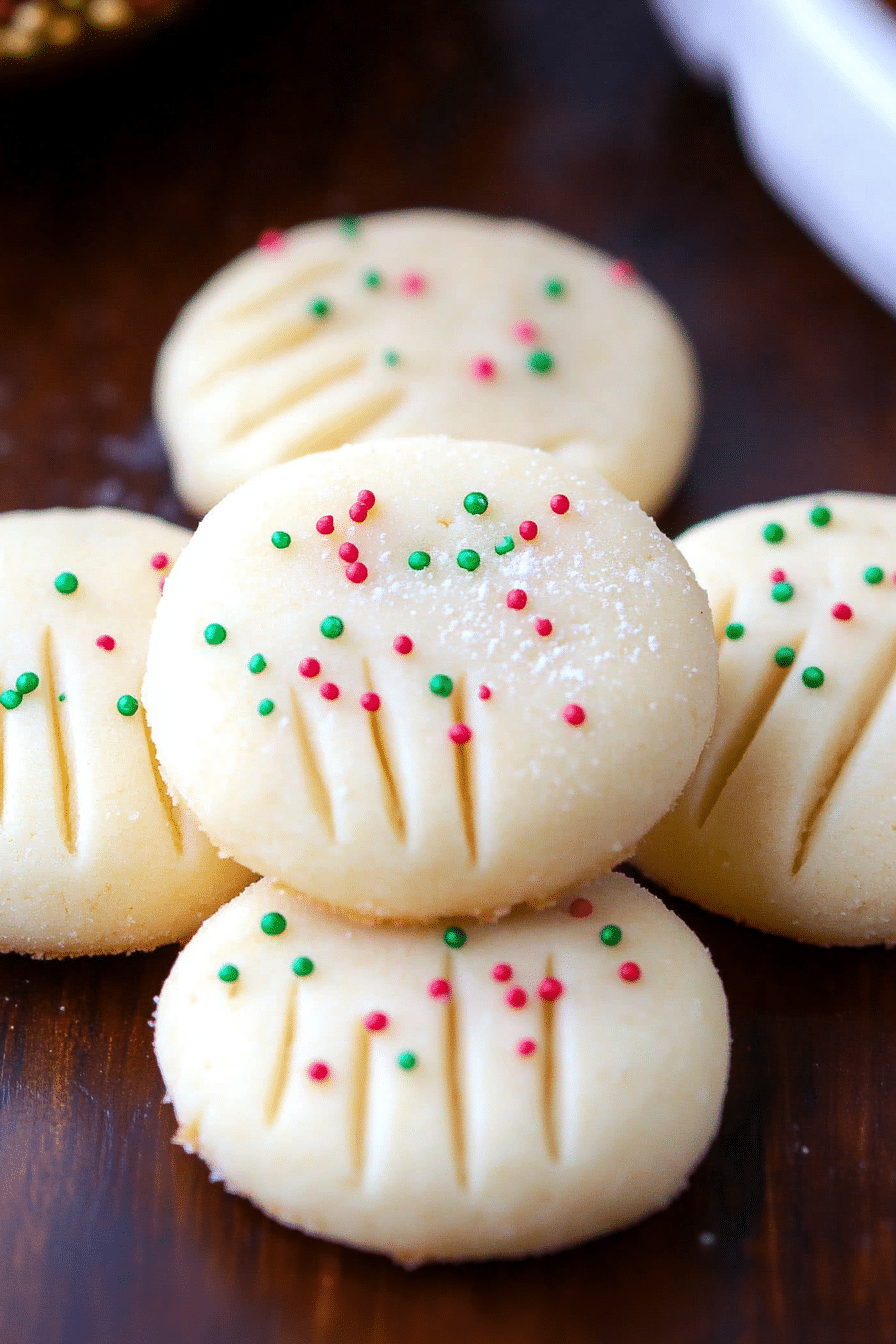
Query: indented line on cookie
{"x": 360, "y": 1100}
{"x": 265, "y": 345}
{"x": 391, "y": 796}
{"x": 549, "y": 1088}
{"x": 856, "y": 718}
{"x": 283, "y": 1058}
{"x": 303, "y": 385}
{"x": 329, "y": 424}
{"x": 293, "y": 287}
{"x": 165, "y": 800}
{"x": 318, "y": 792}
{"x": 65, "y": 778}
{"x": 721, "y": 615}
{"x": 452, "y": 1077}
{"x": 464, "y": 771}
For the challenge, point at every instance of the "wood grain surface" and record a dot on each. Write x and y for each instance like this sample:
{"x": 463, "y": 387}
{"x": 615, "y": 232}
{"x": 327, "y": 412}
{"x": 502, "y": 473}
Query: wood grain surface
{"x": 121, "y": 190}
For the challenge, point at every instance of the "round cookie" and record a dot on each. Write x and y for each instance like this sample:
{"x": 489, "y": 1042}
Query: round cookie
{"x": 94, "y": 857}
{"x": 423, "y": 322}
{"x": 486, "y": 685}
{"x": 454, "y": 1092}
{"x": 788, "y": 823}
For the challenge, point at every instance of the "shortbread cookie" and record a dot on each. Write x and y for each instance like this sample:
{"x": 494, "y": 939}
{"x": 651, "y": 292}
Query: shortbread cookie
{"x": 413, "y": 678}
{"x": 450, "y": 1093}
{"x": 93, "y": 855}
{"x": 790, "y": 822}
{"x": 425, "y": 322}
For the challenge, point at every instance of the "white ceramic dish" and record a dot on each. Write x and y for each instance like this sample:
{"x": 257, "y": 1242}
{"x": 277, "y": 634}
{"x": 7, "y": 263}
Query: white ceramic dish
{"x": 813, "y": 88}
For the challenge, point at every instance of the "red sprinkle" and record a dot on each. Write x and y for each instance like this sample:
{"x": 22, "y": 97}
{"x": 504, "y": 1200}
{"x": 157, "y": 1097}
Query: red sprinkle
{"x": 502, "y": 971}
{"x": 527, "y": 332}
{"x": 543, "y": 625}
{"x": 161, "y": 585}
{"x": 356, "y": 573}
{"x": 412, "y": 283}
{"x": 402, "y": 643}
{"x": 574, "y": 714}
{"x": 271, "y": 240}
{"x": 309, "y": 667}
{"x": 630, "y": 971}
{"x": 366, "y": 498}
{"x": 376, "y": 1021}
{"x": 550, "y": 989}
{"x": 516, "y": 997}
{"x": 370, "y": 701}
{"x": 580, "y": 908}
{"x": 516, "y": 599}
{"x": 329, "y": 690}
{"x": 160, "y": 560}
{"x": 841, "y": 612}
{"x": 485, "y": 693}
{"x": 459, "y": 733}
{"x": 559, "y": 504}
{"x": 528, "y": 530}
{"x": 778, "y": 576}
{"x": 105, "y": 642}
{"x": 358, "y": 513}
{"x": 526, "y": 1047}
{"x": 325, "y": 525}
{"x": 623, "y": 273}
{"x": 439, "y": 989}
{"x": 483, "y": 368}
{"x": 348, "y": 551}
{"x": 318, "y": 1071}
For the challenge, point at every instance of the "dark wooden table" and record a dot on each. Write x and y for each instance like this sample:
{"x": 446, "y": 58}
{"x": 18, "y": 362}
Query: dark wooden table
{"x": 122, "y": 188}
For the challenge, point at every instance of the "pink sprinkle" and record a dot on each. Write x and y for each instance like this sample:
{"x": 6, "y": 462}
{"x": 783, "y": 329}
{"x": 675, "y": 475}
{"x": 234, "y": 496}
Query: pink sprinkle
{"x": 370, "y": 701}
{"x": 366, "y": 498}
{"x": 318, "y": 1071}
{"x": 309, "y": 667}
{"x": 574, "y": 714}
{"x": 160, "y": 560}
{"x": 550, "y": 989}
{"x": 778, "y": 576}
{"x": 376, "y": 1021}
{"x": 559, "y": 504}
{"x": 485, "y": 693}
{"x": 502, "y": 971}
{"x": 439, "y": 989}
{"x": 356, "y": 573}
{"x": 580, "y": 908}
{"x": 105, "y": 642}
{"x": 841, "y": 612}
{"x": 516, "y": 599}
{"x": 623, "y": 273}
{"x": 358, "y": 513}
{"x": 402, "y": 643}
{"x": 325, "y": 525}
{"x": 526, "y": 1047}
{"x": 459, "y": 733}
{"x": 329, "y": 690}
{"x": 543, "y": 625}
{"x": 516, "y": 997}
{"x": 482, "y": 368}
{"x": 630, "y": 971}
{"x": 527, "y": 332}
{"x": 271, "y": 240}
{"x": 412, "y": 283}
{"x": 348, "y": 551}
{"x": 528, "y": 531}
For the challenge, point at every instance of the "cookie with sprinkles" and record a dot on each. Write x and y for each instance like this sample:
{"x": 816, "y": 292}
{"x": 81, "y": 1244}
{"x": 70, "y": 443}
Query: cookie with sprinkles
{"x": 424, "y": 322}
{"x": 364, "y": 765}
{"x": 94, "y": 856}
{"x": 527, "y": 1088}
{"x": 787, "y": 824}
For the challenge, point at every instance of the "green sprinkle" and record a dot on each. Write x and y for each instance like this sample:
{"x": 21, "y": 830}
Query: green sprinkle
{"x": 265, "y": 707}
{"x": 455, "y": 937}
{"x": 610, "y": 935}
{"x": 418, "y": 559}
{"x": 228, "y": 973}
{"x": 540, "y": 361}
{"x": 331, "y": 627}
{"x": 214, "y": 633}
{"x": 350, "y": 225}
{"x": 62, "y": 697}
{"x": 813, "y": 677}
{"x": 820, "y": 516}
{"x": 373, "y": 279}
{"x": 319, "y": 308}
{"x": 27, "y": 682}
{"x": 128, "y": 706}
{"x": 391, "y": 357}
{"x": 468, "y": 560}
{"x": 782, "y": 592}
{"x": 773, "y": 533}
{"x": 504, "y": 546}
{"x": 785, "y": 655}
{"x": 257, "y": 663}
{"x": 440, "y": 684}
{"x": 475, "y": 502}
{"x": 281, "y": 540}
{"x": 302, "y": 965}
{"x": 734, "y": 631}
{"x": 10, "y": 699}
{"x": 555, "y": 288}
{"x": 407, "y": 1060}
{"x": 272, "y": 923}
{"x": 873, "y": 574}
{"x": 65, "y": 582}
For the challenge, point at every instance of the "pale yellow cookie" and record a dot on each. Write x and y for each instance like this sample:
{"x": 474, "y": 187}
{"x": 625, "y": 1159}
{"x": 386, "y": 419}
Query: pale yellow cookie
{"x": 789, "y": 823}
{"x": 94, "y": 857}
{"x": 448, "y": 1093}
{"x": 483, "y": 687}
{"x": 423, "y": 322}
